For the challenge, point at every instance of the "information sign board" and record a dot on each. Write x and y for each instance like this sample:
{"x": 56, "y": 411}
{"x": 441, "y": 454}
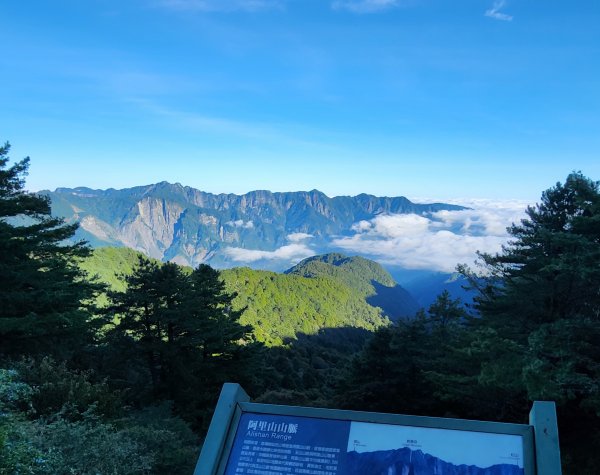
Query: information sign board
{"x": 267, "y": 444}
{"x": 258, "y": 439}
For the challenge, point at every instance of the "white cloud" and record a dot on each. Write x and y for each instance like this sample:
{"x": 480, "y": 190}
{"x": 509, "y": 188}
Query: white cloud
{"x": 297, "y": 237}
{"x": 438, "y": 241}
{"x": 480, "y": 221}
{"x": 221, "y": 5}
{"x": 240, "y": 223}
{"x": 364, "y": 6}
{"x": 361, "y": 226}
{"x": 291, "y": 252}
{"x": 399, "y": 225}
{"x": 495, "y": 12}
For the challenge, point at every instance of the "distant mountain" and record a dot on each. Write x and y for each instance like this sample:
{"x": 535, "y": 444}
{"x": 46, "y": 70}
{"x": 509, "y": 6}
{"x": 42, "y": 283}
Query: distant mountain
{"x": 406, "y": 461}
{"x": 368, "y": 278}
{"x": 181, "y": 224}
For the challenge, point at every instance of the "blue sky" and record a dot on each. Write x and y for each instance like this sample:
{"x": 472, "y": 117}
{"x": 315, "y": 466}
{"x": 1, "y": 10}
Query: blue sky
{"x": 423, "y": 98}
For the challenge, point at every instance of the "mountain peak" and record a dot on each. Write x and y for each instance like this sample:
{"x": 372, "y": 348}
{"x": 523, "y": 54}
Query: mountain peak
{"x": 366, "y": 277}
{"x": 359, "y": 272}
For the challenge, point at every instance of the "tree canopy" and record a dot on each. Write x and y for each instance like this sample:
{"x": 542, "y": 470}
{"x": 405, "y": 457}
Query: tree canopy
{"x": 44, "y": 298}
{"x": 540, "y": 307}
{"x": 179, "y": 324}
{"x": 543, "y": 292}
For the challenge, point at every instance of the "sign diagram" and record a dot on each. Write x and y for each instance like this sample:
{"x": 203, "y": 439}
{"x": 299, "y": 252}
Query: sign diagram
{"x": 268, "y": 444}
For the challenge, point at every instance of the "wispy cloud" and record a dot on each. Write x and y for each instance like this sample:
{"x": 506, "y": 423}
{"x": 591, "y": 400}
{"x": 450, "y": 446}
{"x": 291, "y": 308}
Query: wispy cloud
{"x": 292, "y": 252}
{"x": 495, "y": 12}
{"x": 263, "y": 132}
{"x": 212, "y": 124}
{"x": 240, "y": 223}
{"x": 365, "y": 6}
{"x": 221, "y": 5}
{"x": 298, "y": 237}
{"x": 435, "y": 242}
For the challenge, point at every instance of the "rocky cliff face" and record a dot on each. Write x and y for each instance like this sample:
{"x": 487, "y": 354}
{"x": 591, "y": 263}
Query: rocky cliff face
{"x": 188, "y": 226}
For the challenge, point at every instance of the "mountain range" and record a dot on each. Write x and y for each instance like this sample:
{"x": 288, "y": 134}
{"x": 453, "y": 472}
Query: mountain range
{"x": 188, "y": 226}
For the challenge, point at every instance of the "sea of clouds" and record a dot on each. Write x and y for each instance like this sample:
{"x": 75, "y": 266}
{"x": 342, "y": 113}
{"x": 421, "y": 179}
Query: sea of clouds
{"x": 436, "y": 241}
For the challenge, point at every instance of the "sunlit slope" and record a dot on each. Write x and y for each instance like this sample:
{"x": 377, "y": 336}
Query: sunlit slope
{"x": 366, "y": 278}
{"x": 278, "y": 306}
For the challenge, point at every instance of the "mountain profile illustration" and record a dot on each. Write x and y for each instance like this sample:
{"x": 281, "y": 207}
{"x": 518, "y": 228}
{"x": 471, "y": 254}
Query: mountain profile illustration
{"x": 415, "y": 462}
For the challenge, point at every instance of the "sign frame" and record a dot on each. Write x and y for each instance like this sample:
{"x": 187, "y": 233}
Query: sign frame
{"x": 233, "y": 402}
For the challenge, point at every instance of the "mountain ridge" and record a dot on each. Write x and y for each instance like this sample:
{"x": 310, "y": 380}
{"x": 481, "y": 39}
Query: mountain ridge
{"x": 165, "y": 183}
{"x": 189, "y": 226}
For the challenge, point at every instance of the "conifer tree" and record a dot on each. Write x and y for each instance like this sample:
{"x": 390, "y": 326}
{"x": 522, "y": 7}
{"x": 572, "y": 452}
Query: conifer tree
{"x": 543, "y": 292}
{"x": 540, "y": 315}
{"x": 182, "y": 326}
{"x": 44, "y": 297}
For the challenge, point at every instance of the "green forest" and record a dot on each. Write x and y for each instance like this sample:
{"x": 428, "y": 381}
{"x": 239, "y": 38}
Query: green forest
{"x": 112, "y": 362}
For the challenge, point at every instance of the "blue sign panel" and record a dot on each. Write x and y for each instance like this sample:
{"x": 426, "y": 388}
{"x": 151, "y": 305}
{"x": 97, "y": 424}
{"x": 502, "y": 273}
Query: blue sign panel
{"x": 267, "y": 444}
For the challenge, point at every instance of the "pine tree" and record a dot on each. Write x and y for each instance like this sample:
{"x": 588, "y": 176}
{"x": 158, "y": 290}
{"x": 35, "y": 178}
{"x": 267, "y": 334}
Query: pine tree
{"x": 540, "y": 313}
{"x": 544, "y": 291}
{"x": 182, "y": 326}
{"x": 44, "y": 297}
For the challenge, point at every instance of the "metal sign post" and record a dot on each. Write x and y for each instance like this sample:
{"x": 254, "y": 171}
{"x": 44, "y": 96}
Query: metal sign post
{"x": 547, "y": 451}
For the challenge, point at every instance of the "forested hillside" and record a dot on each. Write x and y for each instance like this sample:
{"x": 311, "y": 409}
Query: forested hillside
{"x": 109, "y": 264}
{"x": 532, "y": 334}
{"x": 276, "y": 306}
{"x": 119, "y": 374}
{"x": 280, "y": 306}
{"x": 366, "y": 278}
